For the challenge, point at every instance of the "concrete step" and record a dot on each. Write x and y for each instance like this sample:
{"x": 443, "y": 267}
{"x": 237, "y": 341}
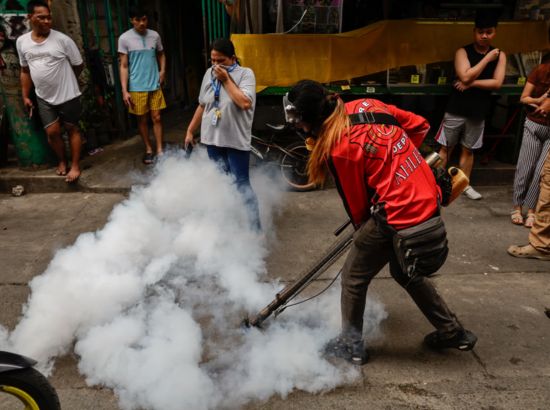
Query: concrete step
{"x": 119, "y": 167}
{"x": 493, "y": 174}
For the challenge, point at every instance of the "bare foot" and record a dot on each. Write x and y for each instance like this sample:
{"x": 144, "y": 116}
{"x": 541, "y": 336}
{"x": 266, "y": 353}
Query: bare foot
{"x": 73, "y": 174}
{"x": 61, "y": 169}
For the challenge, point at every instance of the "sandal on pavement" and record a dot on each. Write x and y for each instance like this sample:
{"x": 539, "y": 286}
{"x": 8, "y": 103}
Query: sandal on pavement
{"x": 530, "y": 220}
{"x": 517, "y": 218}
{"x": 148, "y": 158}
{"x": 528, "y": 251}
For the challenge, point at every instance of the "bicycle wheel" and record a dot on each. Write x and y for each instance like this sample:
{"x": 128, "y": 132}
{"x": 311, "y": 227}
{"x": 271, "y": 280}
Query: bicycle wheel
{"x": 31, "y": 388}
{"x": 294, "y": 167}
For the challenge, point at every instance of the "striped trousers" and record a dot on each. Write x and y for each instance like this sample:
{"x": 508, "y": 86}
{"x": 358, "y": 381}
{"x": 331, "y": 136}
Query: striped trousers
{"x": 533, "y": 152}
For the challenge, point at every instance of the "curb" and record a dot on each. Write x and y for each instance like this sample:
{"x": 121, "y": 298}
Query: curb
{"x": 42, "y": 184}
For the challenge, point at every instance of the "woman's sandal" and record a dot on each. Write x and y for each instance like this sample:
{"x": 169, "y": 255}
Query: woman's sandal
{"x": 530, "y": 220}
{"x": 148, "y": 158}
{"x": 516, "y": 217}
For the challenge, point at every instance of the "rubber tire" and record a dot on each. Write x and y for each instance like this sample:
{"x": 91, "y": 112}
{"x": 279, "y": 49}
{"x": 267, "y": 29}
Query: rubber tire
{"x": 294, "y": 170}
{"x": 33, "y": 383}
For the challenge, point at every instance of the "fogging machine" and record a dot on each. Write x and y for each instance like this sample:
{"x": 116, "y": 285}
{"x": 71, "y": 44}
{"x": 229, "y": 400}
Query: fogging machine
{"x": 289, "y": 292}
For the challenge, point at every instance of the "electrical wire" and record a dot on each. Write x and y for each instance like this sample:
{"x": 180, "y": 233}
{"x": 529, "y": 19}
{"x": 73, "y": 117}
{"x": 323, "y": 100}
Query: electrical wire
{"x": 299, "y": 21}
{"x": 283, "y": 308}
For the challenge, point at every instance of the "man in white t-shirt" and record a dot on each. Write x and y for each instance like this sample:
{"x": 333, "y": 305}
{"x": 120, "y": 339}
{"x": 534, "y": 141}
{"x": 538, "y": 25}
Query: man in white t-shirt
{"x": 51, "y": 62}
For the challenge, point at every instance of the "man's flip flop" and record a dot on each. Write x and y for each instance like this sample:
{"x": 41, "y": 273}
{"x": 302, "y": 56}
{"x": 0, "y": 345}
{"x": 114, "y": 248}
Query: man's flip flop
{"x": 148, "y": 158}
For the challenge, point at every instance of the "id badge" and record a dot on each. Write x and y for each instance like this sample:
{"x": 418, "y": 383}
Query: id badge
{"x": 216, "y": 117}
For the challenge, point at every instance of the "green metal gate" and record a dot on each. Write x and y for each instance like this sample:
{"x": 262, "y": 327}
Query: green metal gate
{"x": 26, "y": 133}
{"x": 102, "y": 22}
{"x": 215, "y": 20}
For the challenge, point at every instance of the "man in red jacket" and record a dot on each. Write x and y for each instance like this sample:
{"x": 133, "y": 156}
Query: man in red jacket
{"x": 377, "y": 167}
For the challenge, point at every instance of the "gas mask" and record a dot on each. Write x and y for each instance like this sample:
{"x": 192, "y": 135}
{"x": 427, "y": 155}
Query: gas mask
{"x": 292, "y": 115}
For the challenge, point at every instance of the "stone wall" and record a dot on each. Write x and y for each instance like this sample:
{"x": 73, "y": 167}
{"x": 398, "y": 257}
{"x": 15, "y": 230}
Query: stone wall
{"x": 66, "y": 19}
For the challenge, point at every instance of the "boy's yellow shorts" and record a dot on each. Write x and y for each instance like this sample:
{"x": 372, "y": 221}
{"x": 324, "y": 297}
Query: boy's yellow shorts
{"x": 145, "y": 101}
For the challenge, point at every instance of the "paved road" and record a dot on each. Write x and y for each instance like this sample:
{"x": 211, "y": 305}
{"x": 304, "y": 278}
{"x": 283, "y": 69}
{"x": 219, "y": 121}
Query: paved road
{"x": 500, "y": 298}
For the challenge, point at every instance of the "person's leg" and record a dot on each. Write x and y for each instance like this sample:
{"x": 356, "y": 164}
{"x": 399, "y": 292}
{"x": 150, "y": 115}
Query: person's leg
{"x": 50, "y": 118}
{"x": 445, "y": 153}
{"x": 533, "y": 193}
{"x": 449, "y": 333}
{"x": 143, "y": 128}
{"x": 542, "y": 136}
{"x": 448, "y": 136}
{"x": 157, "y": 130}
{"x": 472, "y": 139}
{"x": 53, "y": 132}
{"x": 157, "y": 103}
{"x": 525, "y": 175}
{"x": 520, "y": 181}
{"x": 426, "y": 297}
{"x": 539, "y": 236}
{"x": 140, "y": 108}
{"x": 239, "y": 162}
{"x": 218, "y": 155}
{"x": 369, "y": 253}
{"x": 69, "y": 113}
{"x": 466, "y": 161}
{"x": 75, "y": 140}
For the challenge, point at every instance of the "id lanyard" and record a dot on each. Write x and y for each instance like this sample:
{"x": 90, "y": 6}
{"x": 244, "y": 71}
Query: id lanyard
{"x": 217, "y": 86}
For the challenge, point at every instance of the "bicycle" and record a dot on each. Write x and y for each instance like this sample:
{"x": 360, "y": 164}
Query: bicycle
{"x": 290, "y": 154}
{"x": 28, "y": 386}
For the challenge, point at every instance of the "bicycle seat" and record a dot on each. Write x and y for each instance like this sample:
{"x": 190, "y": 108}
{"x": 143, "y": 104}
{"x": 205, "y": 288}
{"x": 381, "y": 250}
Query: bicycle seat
{"x": 277, "y": 128}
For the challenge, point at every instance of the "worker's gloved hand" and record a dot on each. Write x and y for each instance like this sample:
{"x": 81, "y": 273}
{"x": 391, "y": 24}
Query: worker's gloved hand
{"x": 310, "y": 143}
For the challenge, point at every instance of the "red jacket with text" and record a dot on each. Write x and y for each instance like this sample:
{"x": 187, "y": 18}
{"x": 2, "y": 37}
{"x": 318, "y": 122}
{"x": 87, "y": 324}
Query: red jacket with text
{"x": 381, "y": 164}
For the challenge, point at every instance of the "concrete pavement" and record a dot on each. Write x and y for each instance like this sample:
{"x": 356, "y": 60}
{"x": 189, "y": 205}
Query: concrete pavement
{"x": 501, "y": 298}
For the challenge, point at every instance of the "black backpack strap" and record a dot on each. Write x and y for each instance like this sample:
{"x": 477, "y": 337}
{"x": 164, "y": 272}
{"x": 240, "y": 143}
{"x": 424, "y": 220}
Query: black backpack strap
{"x": 368, "y": 117}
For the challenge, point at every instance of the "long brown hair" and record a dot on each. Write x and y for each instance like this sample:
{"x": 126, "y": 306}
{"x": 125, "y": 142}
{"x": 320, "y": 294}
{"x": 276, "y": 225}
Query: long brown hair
{"x": 330, "y": 133}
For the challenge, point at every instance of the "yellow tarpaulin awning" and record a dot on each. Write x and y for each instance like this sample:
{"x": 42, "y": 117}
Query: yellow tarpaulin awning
{"x": 284, "y": 59}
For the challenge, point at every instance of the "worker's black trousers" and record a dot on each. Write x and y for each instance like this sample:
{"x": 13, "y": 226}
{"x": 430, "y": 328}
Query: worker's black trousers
{"x": 369, "y": 253}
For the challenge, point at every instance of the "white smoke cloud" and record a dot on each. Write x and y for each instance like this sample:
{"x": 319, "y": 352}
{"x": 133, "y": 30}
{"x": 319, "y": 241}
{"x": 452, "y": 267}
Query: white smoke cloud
{"x": 154, "y": 301}
{"x": 150, "y": 356}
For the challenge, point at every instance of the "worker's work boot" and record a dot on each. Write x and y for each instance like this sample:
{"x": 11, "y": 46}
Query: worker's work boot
{"x": 352, "y": 351}
{"x": 461, "y": 340}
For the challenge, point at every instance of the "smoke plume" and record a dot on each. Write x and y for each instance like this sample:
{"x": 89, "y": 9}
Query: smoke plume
{"x": 152, "y": 302}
